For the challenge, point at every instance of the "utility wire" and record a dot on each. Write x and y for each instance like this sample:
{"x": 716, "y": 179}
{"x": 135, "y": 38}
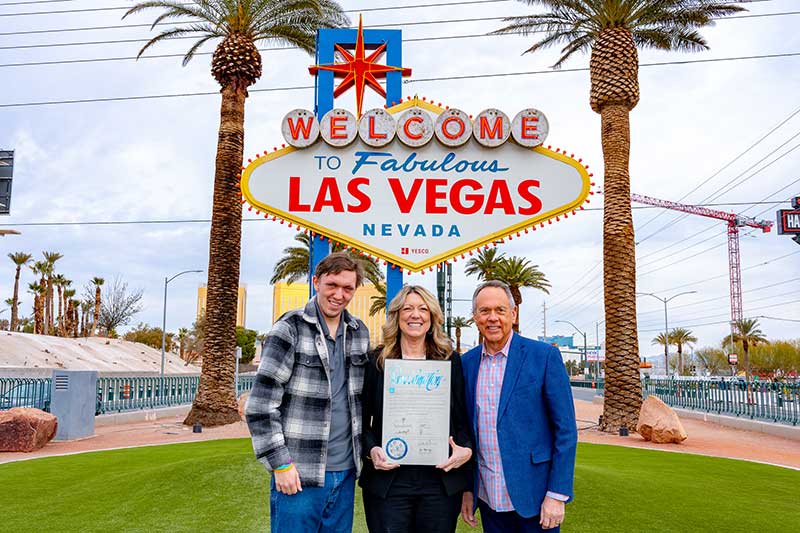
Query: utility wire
{"x": 208, "y": 220}
{"x": 740, "y": 177}
{"x": 732, "y": 161}
{"x": 361, "y": 10}
{"x": 196, "y": 36}
{"x": 421, "y": 80}
{"x": 749, "y": 311}
{"x": 367, "y": 26}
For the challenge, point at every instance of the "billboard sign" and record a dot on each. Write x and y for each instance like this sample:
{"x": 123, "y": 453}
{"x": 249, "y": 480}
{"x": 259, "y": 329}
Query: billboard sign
{"x": 6, "y": 175}
{"x": 596, "y": 356}
{"x": 416, "y": 184}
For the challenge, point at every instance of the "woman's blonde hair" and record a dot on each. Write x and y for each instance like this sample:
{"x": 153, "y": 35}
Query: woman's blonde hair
{"x": 437, "y": 344}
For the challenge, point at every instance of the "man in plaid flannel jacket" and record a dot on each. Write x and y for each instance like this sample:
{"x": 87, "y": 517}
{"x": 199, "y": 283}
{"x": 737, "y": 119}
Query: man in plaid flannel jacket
{"x": 304, "y": 412}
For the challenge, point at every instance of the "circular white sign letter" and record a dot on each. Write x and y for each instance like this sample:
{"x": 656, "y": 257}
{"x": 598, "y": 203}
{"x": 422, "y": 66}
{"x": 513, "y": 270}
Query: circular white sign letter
{"x": 529, "y": 127}
{"x": 453, "y": 127}
{"x": 376, "y": 127}
{"x": 491, "y": 128}
{"x": 338, "y": 127}
{"x": 300, "y": 128}
{"x": 415, "y": 128}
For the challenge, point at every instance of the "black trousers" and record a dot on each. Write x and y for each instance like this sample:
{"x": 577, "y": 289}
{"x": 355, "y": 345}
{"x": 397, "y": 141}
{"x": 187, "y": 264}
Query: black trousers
{"x": 509, "y": 521}
{"x": 416, "y": 503}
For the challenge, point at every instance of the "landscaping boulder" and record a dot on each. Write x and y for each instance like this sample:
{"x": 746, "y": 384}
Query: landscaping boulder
{"x": 659, "y": 423}
{"x": 25, "y": 429}
{"x": 242, "y": 402}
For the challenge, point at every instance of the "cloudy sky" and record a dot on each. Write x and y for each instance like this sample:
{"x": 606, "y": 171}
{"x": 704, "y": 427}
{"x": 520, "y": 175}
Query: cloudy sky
{"x": 719, "y": 127}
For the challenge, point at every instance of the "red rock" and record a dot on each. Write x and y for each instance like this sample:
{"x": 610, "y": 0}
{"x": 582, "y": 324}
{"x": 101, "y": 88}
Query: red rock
{"x": 242, "y": 402}
{"x": 659, "y": 423}
{"x": 25, "y": 429}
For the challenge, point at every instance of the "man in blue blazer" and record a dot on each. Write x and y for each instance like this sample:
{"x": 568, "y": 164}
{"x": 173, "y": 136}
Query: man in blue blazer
{"x": 519, "y": 400}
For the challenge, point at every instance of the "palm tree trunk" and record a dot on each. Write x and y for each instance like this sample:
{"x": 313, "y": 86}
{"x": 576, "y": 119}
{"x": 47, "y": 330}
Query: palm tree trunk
{"x": 680, "y": 359}
{"x": 623, "y": 390}
{"x": 60, "y": 312}
{"x": 96, "y": 311}
{"x": 215, "y": 403}
{"x": 15, "y": 304}
{"x": 458, "y": 340}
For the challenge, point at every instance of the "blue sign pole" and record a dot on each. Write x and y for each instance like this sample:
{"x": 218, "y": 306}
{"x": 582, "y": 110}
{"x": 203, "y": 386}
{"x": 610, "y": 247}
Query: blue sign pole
{"x": 323, "y": 102}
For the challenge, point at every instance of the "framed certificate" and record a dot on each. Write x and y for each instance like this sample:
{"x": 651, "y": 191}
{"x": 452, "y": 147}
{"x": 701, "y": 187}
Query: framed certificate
{"x": 416, "y": 411}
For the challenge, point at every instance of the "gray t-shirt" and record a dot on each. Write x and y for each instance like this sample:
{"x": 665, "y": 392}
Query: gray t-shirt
{"x": 340, "y": 442}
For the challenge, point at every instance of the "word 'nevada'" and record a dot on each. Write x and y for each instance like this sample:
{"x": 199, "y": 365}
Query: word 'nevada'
{"x": 431, "y": 195}
{"x": 415, "y": 127}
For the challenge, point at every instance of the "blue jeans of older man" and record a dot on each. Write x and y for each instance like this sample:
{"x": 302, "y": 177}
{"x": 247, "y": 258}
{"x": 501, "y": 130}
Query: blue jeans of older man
{"x": 327, "y": 509}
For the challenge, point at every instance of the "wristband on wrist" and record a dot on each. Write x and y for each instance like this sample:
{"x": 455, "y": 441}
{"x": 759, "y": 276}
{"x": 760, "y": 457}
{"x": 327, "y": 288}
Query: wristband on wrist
{"x": 285, "y": 468}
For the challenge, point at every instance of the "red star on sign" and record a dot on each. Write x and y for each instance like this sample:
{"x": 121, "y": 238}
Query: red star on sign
{"x": 360, "y": 70}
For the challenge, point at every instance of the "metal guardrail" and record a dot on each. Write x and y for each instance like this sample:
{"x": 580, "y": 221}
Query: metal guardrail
{"x": 117, "y": 394}
{"x": 587, "y": 384}
{"x": 758, "y": 400}
{"x": 25, "y": 392}
{"x": 768, "y": 401}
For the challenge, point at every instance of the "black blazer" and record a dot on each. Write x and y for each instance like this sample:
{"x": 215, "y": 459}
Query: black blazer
{"x": 379, "y": 482}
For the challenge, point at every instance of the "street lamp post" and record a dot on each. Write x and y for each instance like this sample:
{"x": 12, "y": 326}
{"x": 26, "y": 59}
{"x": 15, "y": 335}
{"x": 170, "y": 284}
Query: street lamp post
{"x": 585, "y": 349}
{"x": 164, "y": 328}
{"x": 666, "y": 325}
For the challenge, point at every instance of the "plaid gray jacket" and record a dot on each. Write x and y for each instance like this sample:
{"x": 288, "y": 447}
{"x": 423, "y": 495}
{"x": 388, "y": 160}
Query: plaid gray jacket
{"x": 289, "y": 409}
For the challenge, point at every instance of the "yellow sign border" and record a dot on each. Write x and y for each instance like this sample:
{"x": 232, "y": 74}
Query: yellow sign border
{"x": 398, "y": 260}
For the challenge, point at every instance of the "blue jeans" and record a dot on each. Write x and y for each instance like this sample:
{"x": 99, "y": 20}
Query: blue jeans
{"x": 327, "y": 509}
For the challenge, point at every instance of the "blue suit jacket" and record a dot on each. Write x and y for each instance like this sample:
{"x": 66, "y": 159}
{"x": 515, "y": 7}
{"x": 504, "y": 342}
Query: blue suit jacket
{"x": 536, "y": 427}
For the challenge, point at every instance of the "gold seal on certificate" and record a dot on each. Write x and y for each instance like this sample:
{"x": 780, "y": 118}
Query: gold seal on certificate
{"x": 416, "y": 411}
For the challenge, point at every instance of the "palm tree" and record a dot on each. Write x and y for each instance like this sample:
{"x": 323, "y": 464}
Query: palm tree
{"x": 459, "y": 322}
{"x": 378, "y": 303}
{"x": 50, "y": 258}
{"x": 612, "y": 30}
{"x": 748, "y": 332}
{"x": 183, "y": 334}
{"x": 41, "y": 268}
{"x": 67, "y": 324}
{"x": 61, "y": 282}
{"x": 38, "y": 291}
{"x": 680, "y": 337}
{"x": 660, "y": 339}
{"x": 97, "y": 282}
{"x": 20, "y": 259}
{"x": 236, "y": 65}
{"x": 484, "y": 264}
{"x": 294, "y": 264}
{"x": 518, "y": 272}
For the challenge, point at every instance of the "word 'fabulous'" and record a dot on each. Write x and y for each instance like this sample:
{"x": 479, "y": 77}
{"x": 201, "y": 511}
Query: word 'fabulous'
{"x": 415, "y": 128}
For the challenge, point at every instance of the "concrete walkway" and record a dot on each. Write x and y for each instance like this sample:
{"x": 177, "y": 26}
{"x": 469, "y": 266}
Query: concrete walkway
{"x": 705, "y": 438}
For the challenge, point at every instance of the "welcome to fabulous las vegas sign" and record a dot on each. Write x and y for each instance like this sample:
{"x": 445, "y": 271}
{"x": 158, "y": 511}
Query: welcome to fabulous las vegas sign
{"x": 415, "y": 183}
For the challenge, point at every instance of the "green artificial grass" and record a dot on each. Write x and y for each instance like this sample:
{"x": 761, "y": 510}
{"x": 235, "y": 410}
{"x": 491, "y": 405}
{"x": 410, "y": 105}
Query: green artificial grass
{"x": 218, "y": 486}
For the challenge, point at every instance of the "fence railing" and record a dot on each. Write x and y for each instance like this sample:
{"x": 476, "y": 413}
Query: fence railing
{"x": 587, "y": 383}
{"x": 769, "y": 401}
{"x": 25, "y": 392}
{"x": 117, "y": 394}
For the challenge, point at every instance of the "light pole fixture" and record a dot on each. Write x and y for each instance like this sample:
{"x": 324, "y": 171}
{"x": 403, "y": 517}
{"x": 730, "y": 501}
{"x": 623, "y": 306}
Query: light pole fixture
{"x": 666, "y": 324}
{"x": 164, "y": 327}
{"x": 585, "y": 350}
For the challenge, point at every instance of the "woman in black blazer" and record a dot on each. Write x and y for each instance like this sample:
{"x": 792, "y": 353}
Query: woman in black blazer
{"x": 414, "y": 498}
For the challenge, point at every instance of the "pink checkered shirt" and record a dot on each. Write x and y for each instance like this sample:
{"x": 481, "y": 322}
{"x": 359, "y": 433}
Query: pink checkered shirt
{"x": 490, "y": 468}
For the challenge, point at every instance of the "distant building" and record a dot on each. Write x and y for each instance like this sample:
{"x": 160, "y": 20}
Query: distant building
{"x": 286, "y": 297}
{"x": 562, "y": 341}
{"x": 241, "y": 306}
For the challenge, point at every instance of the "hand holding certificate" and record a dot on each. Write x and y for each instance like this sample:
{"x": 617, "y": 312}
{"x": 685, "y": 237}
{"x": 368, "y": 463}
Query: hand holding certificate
{"x": 416, "y": 411}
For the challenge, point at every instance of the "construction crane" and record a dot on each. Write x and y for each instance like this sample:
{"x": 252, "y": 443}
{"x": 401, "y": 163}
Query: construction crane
{"x": 734, "y": 222}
